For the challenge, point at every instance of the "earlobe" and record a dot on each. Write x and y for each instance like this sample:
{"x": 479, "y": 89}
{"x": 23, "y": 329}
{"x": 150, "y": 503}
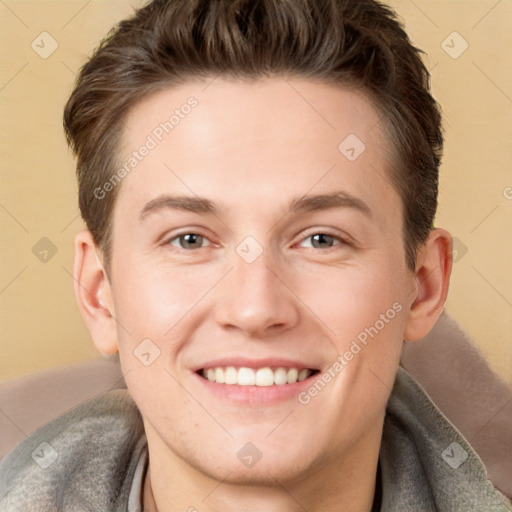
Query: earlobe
{"x": 432, "y": 276}
{"x": 93, "y": 294}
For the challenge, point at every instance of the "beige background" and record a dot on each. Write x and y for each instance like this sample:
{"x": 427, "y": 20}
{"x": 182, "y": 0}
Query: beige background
{"x": 40, "y": 326}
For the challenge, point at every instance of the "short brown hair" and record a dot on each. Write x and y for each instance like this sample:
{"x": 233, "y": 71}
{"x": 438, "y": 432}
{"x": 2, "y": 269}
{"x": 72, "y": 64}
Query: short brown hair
{"x": 359, "y": 44}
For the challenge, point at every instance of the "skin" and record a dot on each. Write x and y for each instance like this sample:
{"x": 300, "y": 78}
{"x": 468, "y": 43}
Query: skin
{"x": 252, "y": 149}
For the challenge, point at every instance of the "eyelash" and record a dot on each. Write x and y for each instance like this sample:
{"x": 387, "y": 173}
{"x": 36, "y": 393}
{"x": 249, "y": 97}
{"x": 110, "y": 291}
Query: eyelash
{"x": 340, "y": 240}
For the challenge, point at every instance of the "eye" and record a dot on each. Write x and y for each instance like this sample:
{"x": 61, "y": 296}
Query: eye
{"x": 322, "y": 241}
{"x": 189, "y": 241}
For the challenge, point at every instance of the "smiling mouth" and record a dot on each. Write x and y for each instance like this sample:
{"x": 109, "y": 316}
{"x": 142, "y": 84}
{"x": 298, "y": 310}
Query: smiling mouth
{"x": 265, "y": 376}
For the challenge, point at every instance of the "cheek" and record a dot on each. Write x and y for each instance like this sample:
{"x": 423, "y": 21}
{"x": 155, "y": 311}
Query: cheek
{"x": 152, "y": 301}
{"x": 365, "y": 316}
{"x": 364, "y": 313}
{"x": 349, "y": 299}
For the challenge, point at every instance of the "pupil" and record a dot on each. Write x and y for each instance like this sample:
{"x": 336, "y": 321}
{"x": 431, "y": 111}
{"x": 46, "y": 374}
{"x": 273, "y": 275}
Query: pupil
{"x": 321, "y": 240}
{"x": 191, "y": 239}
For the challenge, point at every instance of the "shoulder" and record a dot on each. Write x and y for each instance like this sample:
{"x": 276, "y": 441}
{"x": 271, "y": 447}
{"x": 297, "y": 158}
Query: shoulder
{"x": 85, "y": 454}
{"x": 426, "y": 461}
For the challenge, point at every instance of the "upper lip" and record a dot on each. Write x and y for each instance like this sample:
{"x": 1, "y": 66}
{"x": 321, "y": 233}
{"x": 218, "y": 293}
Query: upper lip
{"x": 254, "y": 363}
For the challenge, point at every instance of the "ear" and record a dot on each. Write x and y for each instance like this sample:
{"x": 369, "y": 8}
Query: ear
{"x": 432, "y": 276}
{"x": 93, "y": 294}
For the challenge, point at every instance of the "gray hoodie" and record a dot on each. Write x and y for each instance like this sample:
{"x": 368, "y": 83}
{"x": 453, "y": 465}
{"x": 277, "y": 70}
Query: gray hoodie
{"x": 92, "y": 459}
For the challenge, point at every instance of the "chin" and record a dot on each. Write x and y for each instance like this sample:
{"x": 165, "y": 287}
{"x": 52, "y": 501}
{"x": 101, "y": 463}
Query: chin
{"x": 274, "y": 468}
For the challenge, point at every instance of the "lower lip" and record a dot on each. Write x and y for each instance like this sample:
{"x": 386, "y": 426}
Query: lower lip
{"x": 256, "y": 395}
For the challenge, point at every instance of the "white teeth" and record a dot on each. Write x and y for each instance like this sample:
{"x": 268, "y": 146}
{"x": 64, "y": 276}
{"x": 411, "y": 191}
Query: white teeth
{"x": 260, "y": 377}
{"x": 231, "y": 375}
{"x": 280, "y": 377}
{"x": 265, "y": 377}
{"x": 219, "y": 375}
{"x": 246, "y": 376}
{"x": 303, "y": 374}
{"x": 292, "y": 375}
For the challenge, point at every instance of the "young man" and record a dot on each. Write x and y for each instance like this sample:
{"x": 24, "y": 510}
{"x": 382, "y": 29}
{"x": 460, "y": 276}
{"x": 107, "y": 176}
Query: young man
{"x": 259, "y": 183}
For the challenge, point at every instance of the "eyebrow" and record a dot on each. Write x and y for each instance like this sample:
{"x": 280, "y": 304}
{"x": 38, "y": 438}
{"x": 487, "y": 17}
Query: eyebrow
{"x": 325, "y": 201}
{"x": 305, "y": 204}
{"x": 187, "y": 203}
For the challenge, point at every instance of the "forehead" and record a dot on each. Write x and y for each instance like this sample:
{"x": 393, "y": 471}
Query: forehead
{"x": 259, "y": 139}
{"x": 307, "y": 109}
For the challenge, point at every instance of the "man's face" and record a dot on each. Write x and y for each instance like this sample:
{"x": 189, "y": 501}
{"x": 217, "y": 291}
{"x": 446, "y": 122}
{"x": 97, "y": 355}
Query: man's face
{"x": 222, "y": 259}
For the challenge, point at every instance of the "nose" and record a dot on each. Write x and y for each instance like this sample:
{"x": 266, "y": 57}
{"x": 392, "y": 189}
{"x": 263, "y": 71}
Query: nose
{"x": 256, "y": 300}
